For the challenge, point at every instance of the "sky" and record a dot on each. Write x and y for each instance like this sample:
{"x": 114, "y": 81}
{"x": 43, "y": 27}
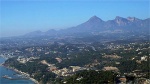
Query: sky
{"x": 18, "y": 17}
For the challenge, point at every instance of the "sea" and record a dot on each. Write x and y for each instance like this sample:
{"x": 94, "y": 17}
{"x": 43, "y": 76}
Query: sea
{"x": 10, "y": 73}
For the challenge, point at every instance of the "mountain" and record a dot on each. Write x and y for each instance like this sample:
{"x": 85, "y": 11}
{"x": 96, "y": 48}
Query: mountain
{"x": 93, "y": 24}
{"x": 34, "y": 33}
{"x": 51, "y": 32}
{"x": 97, "y": 25}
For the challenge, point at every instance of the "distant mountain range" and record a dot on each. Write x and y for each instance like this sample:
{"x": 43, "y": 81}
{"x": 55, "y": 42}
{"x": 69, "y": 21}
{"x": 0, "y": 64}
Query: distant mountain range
{"x": 95, "y": 25}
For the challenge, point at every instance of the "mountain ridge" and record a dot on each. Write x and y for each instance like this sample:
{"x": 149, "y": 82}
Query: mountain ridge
{"x": 95, "y": 24}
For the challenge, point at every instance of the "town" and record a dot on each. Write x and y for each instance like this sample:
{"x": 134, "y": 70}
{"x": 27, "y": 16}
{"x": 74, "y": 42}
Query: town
{"x": 128, "y": 60}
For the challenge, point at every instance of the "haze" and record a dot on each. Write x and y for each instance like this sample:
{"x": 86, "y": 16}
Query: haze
{"x": 21, "y": 17}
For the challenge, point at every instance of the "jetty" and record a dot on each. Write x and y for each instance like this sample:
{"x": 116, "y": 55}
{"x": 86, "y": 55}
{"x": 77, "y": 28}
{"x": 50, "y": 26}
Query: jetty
{"x": 10, "y": 78}
{"x": 1, "y": 64}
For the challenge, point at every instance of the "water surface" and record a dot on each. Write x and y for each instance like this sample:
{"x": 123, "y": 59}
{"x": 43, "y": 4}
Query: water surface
{"x": 11, "y": 73}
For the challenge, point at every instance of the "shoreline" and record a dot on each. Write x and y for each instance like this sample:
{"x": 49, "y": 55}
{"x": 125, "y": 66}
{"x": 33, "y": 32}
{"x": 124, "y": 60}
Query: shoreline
{"x": 20, "y": 72}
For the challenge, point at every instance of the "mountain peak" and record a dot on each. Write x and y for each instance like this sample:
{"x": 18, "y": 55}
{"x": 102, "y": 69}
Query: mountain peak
{"x": 118, "y": 18}
{"x": 132, "y": 19}
{"x": 95, "y": 19}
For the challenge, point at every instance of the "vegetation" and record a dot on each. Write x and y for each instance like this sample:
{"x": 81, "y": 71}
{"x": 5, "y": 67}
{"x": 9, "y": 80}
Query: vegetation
{"x": 91, "y": 77}
{"x": 90, "y": 56}
{"x": 35, "y": 69}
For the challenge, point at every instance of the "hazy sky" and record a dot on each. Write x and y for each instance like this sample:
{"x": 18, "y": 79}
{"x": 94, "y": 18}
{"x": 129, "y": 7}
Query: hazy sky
{"x": 18, "y": 17}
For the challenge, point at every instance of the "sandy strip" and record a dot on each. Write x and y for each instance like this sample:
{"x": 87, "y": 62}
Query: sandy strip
{"x": 22, "y": 73}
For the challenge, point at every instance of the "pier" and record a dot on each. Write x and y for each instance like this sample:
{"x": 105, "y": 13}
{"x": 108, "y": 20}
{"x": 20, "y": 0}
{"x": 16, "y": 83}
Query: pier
{"x": 10, "y": 78}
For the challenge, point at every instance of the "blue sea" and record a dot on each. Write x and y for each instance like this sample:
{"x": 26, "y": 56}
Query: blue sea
{"x": 13, "y": 74}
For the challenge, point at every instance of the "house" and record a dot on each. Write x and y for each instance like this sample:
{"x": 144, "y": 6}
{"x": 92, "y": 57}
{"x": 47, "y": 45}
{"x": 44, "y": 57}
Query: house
{"x": 110, "y": 68}
{"x": 120, "y": 80}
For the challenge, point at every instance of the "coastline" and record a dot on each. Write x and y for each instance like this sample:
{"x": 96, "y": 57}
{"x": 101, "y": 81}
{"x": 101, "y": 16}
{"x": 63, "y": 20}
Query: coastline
{"x": 26, "y": 75}
{"x": 20, "y": 72}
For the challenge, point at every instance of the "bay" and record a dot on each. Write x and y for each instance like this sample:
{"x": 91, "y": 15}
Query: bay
{"x": 11, "y": 73}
